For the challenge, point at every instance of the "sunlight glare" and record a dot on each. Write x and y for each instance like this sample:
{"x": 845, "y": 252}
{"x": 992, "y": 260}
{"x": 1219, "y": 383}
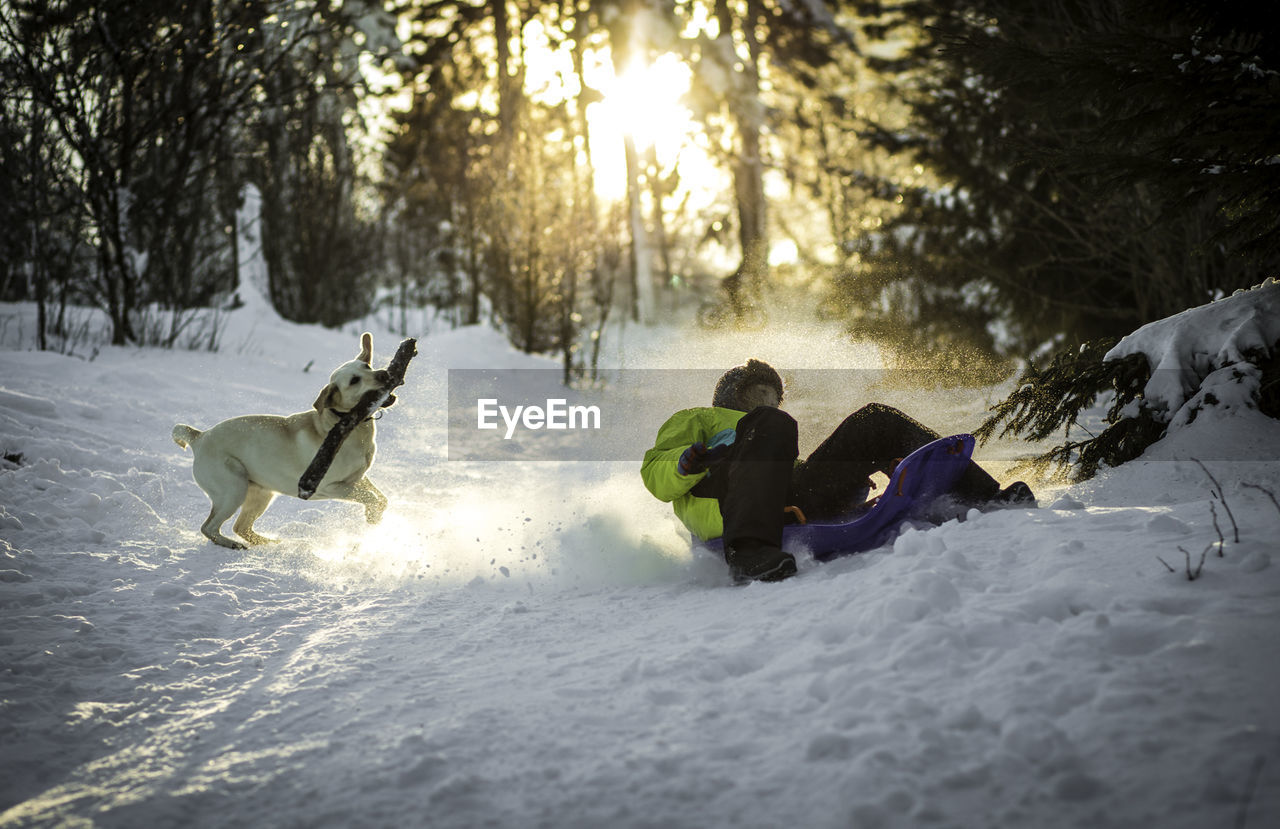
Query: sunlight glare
{"x": 644, "y": 103}
{"x": 784, "y": 252}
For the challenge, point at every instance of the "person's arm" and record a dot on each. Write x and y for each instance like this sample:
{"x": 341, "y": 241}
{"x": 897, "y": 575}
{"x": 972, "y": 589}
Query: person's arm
{"x": 661, "y": 467}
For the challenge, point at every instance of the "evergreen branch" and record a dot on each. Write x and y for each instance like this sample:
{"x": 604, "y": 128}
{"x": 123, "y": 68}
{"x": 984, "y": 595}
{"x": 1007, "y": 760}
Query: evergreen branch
{"x": 1052, "y": 399}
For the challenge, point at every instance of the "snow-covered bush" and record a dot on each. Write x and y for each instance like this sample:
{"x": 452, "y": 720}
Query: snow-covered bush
{"x": 1222, "y": 357}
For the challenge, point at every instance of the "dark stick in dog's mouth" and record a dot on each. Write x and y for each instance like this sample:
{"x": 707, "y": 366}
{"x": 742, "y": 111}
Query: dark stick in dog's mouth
{"x": 371, "y": 402}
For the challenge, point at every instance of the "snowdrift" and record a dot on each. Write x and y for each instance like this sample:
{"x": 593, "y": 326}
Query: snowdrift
{"x": 531, "y": 643}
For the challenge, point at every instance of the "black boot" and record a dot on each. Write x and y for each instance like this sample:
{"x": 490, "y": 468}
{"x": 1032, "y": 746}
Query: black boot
{"x": 1015, "y": 494}
{"x": 751, "y": 560}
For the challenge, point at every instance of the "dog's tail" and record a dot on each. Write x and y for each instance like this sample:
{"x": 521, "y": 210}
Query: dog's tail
{"x": 184, "y": 435}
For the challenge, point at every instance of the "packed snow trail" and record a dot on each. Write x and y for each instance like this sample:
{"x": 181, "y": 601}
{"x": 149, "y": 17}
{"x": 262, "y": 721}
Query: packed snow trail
{"x": 532, "y": 644}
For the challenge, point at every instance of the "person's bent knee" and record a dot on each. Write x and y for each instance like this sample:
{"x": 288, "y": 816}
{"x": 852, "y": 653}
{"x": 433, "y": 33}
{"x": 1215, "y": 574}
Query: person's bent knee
{"x": 878, "y": 410}
{"x": 869, "y": 414}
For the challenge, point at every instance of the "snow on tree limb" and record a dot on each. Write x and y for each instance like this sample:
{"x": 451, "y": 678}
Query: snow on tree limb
{"x": 1206, "y": 350}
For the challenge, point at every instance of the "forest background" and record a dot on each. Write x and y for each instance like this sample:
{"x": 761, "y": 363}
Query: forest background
{"x": 967, "y": 181}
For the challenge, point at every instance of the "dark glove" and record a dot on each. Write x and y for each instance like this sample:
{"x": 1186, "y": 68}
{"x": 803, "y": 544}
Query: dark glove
{"x": 700, "y": 455}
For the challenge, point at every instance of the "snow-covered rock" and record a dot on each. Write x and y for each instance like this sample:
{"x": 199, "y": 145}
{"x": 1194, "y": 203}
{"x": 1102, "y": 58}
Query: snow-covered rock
{"x": 1206, "y": 356}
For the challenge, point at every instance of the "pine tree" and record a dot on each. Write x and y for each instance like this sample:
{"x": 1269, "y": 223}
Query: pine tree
{"x": 1090, "y": 165}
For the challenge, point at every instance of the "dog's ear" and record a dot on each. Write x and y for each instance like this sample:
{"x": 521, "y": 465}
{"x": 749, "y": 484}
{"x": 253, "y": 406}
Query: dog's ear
{"x": 325, "y": 399}
{"x": 366, "y": 348}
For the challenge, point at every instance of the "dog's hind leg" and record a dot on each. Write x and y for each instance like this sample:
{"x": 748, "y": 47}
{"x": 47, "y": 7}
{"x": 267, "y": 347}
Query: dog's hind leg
{"x": 212, "y": 528}
{"x": 375, "y": 503}
{"x": 226, "y": 483}
{"x": 256, "y": 502}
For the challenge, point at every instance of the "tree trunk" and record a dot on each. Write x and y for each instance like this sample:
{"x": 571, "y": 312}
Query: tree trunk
{"x": 502, "y": 36}
{"x": 641, "y": 270}
{"x": 661, "y": 242}
{"x": 748, "y": 169}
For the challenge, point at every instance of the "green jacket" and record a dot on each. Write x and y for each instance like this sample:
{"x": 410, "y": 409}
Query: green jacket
{"x": 660, "y": 468}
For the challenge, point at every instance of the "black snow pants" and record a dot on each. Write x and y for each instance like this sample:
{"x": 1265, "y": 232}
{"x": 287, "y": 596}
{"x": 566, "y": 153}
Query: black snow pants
{"x": 759, "y": 476}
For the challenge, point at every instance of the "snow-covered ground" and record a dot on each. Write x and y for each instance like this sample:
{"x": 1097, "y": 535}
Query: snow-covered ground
{"x": 530, "y": 643}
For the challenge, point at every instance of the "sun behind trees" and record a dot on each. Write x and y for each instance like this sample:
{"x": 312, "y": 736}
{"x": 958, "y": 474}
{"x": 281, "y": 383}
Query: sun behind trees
{"x": 970, "y": 183}
{"x": 594, "y": 157}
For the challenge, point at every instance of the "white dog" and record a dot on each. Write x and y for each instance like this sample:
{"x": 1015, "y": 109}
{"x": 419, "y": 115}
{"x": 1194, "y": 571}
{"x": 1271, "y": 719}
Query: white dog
{"x": 241, "y": 463}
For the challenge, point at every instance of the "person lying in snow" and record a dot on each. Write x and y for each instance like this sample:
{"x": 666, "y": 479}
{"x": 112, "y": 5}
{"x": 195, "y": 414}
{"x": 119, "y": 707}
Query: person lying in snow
{"x": 731, "y": 469}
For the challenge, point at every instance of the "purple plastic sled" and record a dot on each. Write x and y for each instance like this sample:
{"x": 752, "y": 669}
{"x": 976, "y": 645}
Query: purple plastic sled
{"x": 919, "y": 479}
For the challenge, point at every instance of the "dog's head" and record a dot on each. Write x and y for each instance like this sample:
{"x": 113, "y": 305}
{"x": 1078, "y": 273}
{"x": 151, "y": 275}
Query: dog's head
{"x": 351, "y": 380}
